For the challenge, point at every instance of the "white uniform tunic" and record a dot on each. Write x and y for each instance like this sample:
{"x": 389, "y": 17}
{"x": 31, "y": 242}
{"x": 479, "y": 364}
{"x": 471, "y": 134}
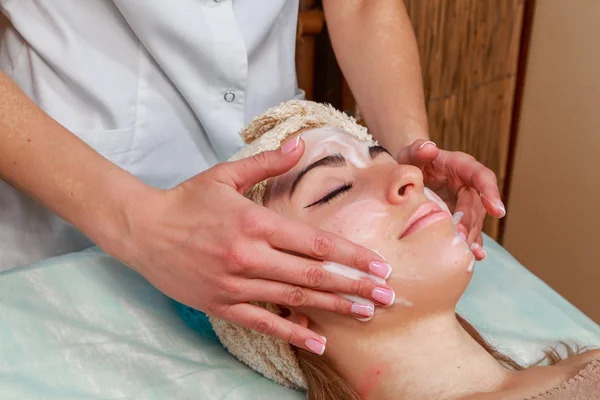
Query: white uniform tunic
{"x": 161, "y": 88}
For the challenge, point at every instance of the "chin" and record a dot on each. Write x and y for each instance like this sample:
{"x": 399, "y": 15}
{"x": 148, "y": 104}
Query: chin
{"x": 431, "y": 268}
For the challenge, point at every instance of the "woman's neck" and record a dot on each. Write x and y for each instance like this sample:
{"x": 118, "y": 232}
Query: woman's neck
{"x": 429, "y": 358}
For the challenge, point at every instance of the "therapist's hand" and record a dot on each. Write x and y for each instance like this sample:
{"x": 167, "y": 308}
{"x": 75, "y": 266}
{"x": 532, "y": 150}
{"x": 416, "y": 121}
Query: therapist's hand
{"x": 466, "y": 185}
{"x": 206, "y": 245}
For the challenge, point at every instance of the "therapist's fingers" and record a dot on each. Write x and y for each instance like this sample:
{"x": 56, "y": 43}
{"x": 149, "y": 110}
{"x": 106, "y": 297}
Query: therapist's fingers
{"x": 294, "y": 296}
{"x": 304, "y": 273}
{"x": 475, "y": 175}
{"x": 299, "y": 238}
{"x": 419, "y": 153}
{"x": 249, "y": 171}
{"x": 473, "y": 213}
{"x": 477, "y": 249}
{"x": 267, "y": 323}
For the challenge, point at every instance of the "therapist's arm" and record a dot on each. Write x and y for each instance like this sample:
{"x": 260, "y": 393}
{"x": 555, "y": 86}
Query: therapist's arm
{"x": 376, "y": 49}
{"x": 41, "y": 158}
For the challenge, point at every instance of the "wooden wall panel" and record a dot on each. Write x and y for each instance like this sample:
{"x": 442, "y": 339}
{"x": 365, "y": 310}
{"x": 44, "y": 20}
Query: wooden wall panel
{"x": 469, "y": 52}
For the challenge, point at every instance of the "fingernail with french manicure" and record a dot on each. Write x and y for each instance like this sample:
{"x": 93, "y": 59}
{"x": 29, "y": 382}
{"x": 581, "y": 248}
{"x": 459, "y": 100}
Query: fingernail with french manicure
{"x": 462, "y": 236}
{"x": 315, "y": 346}
{"x": 380, "y": 269}
{"x": 501, "y": 207}
{"x": 476, "y": 246}
{"x": 457, "y": 217}
{"x": 383, "y": 296}
{"x": 290, "y": 146}
{"x": 426, "y": 143}
{"x": 363, "y": 310}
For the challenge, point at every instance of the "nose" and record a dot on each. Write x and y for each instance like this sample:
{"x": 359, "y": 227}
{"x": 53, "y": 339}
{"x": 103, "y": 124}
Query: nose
{"x": 405, "y": 180}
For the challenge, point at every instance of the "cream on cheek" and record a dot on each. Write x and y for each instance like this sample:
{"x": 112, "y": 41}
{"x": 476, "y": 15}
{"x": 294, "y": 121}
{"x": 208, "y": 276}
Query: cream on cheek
{"x": 457, "y": 240}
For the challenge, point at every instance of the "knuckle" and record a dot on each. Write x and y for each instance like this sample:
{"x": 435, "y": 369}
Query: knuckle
{"x": 230, "y": 287}
{"x": 261, "y": 159}
{"x": 322, "y": 245}
{"x": 215, "y": 309}
{"x": 466, "y": 157}
{"x": 340, "y": 305}
{"x": 314, "y": 276}
{"x": 358, "y": 259}
{"x": 294, "y": 335}
{"x": 260, "y": 163}
{"x": 254, "y": 224}
{"x": 489, "y": 175}
{"x": 296, "y": 297}
{"x": 357, "y": 287}
{"x": 262, "y": 326}
{"x": 237, "y": 260}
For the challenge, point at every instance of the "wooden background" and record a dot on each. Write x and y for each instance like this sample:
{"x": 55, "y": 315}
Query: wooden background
{"x": 469, "y": 55}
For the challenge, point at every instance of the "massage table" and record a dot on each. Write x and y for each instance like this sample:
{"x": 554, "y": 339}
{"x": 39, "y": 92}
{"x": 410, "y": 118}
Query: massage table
{"x": 84, "y": 326}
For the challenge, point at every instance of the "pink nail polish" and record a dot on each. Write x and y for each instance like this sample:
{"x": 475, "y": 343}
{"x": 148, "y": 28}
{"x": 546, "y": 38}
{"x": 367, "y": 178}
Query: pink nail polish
{"x": 315, "y": 346}
{"x": 383, "y": 296}
{"x": 363, "y": 310}
{"x": 380, "y": 269}
{"x": 462, "y": 236}
{"x": 290, "y": 146}
{"x": 426, "y": 143}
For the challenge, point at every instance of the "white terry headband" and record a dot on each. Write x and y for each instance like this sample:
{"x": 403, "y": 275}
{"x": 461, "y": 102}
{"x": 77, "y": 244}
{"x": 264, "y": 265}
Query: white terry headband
{"x": 270, "y": 356}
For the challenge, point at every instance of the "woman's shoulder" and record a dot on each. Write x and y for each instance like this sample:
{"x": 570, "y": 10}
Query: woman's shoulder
{"x": 533, "y": 381}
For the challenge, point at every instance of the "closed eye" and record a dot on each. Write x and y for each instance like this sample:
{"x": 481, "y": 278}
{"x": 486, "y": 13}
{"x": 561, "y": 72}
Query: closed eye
{"x": 332, "y": 195}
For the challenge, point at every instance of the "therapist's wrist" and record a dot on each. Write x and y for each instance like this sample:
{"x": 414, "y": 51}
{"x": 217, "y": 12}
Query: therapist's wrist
{"x": 125, "y": 198}
{"x": 395, "y": 137}
{"x": 413, "y": 131}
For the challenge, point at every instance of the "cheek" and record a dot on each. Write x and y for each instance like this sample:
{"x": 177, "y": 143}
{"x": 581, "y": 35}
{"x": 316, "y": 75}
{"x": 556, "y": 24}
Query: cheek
{"x": 363, "y": 222}
{"x": 436, "y": 255}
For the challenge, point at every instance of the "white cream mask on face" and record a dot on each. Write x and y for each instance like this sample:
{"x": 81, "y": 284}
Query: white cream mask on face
{"x": 329, "y": 140}
{"x": 326, "y": 141}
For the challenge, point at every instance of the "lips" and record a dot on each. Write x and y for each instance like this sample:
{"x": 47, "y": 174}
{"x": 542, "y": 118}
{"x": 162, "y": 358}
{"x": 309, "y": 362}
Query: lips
{"x": 425, "y": 215}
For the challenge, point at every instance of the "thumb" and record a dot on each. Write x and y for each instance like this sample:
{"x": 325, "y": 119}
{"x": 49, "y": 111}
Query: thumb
{"x": 419, "y": 154}
{"x": 247, "y": 172}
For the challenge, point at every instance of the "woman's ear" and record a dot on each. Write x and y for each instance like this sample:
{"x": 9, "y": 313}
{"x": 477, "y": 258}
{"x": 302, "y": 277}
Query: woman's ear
{"x": 295, "y": 316}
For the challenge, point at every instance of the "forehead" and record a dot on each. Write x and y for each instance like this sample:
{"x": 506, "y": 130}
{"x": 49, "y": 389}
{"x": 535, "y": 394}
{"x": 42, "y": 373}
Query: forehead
{"x": 330, "y": 134}
{"x": 328, "y": 140}
{"x": 322, "y": 142}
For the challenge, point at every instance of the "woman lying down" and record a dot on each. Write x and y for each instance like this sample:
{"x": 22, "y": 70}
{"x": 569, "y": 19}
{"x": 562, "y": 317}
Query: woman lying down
{"x": 418, "y": 348}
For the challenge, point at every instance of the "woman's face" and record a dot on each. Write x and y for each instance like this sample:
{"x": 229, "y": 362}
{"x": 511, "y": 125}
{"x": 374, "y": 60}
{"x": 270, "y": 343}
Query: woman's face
{"x": 343, "y": 186}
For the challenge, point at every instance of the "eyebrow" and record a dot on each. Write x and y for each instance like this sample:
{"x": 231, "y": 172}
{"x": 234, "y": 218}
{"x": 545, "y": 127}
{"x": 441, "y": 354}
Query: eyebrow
{"x": 334, "y": 160}
{"x": 374, "y": 151}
